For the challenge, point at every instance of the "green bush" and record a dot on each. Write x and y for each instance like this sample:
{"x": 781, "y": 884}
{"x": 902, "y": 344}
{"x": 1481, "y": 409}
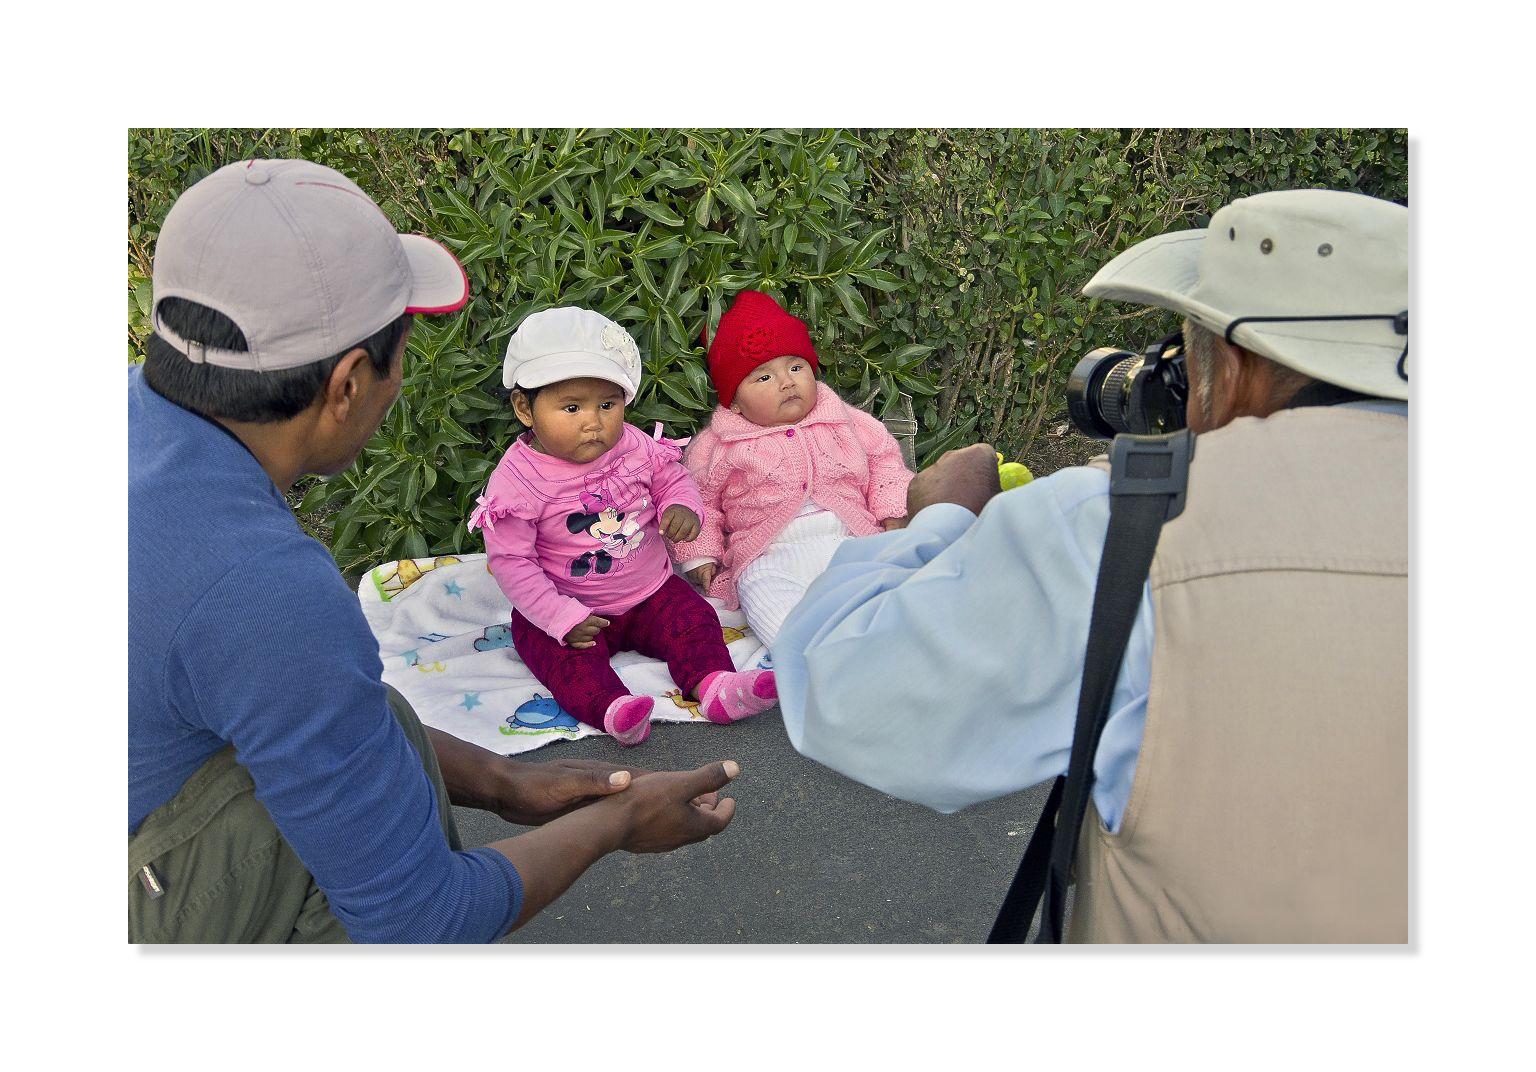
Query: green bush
{"x": 997, "y": 231}
{"x": 945, "y": 265}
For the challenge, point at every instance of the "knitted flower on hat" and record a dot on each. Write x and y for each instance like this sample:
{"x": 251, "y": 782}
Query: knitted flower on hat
{"x": 754, "y": 330}
{"x": 755, "y": 343}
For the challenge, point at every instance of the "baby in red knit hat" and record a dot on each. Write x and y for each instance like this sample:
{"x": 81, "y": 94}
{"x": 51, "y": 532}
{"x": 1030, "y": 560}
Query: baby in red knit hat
{"x": 787, "y": 469}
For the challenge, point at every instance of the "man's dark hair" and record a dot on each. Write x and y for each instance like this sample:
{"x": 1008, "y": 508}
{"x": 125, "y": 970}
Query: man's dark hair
{"x": 216, "y": 392}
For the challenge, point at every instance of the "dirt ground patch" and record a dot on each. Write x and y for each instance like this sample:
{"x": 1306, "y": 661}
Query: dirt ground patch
{"x": 1059, "y": 445}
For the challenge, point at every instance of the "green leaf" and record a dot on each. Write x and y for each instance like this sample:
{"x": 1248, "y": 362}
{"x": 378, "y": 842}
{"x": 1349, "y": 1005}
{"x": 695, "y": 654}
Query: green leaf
{"x": 410, "y": 490}
{"x": 916, "y": 386}
{"x": 647, "y": 279}
{"x": 698, "y": 380}
{"x": 661, "y": 411}
{"x": 853, "y": 305}
{"x": 458, "y": 206}
{"x": 660, "y": 213}
{"x": 879, "y": 279}
{"x": 903, "y": 356}
{"x": 682, "y": 397}
{"x": 864, "y": 251}
{"x": 415, "y": 544}
{"x": 736, "y": 195}
{"x": 660, "y": 248}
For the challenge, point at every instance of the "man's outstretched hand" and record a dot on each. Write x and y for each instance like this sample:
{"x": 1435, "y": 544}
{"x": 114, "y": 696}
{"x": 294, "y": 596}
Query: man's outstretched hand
{"x": 668, "y": 809}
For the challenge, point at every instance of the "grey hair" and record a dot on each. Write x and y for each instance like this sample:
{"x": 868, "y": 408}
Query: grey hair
{"x": 1200, "y": 352}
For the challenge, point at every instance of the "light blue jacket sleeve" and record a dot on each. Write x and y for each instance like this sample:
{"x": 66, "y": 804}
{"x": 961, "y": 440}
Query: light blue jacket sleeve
{"x": 941, "y": 663}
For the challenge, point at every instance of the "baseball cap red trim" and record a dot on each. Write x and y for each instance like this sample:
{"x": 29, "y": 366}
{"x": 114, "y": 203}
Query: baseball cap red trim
{"x": 438, "y": 282}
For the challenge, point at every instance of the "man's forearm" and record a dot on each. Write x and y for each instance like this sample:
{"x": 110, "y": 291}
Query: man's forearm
{"x": 657, "y": 814}
{"x": 469, "y": 771}
{"x": 551, "y": 857}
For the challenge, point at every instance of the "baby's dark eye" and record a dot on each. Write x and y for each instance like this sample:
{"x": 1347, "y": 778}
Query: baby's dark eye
{"x": 572, "y": 408}
{"x": 608, "y": 405}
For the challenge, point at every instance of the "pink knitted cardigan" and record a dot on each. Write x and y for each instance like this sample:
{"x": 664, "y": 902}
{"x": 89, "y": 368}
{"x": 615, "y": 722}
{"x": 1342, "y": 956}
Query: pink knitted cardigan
{"x": 755, "y": 478}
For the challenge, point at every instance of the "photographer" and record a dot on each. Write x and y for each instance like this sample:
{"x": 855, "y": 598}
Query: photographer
{"x": 1251, "y": 781}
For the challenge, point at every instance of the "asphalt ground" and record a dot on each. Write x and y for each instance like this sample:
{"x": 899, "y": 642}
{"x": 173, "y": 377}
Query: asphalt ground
{"x": 811, "y": 857}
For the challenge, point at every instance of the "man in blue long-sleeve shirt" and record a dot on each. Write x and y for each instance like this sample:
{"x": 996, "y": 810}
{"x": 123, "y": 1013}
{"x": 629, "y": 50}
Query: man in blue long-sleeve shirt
{"x": 276, "y": 792}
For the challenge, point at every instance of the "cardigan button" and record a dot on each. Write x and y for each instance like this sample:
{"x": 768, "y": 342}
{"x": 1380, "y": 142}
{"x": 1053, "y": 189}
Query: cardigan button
{"x": 790, "y": 432}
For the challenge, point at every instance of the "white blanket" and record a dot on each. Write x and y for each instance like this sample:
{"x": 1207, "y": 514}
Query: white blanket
{"x": 444, "y": 632}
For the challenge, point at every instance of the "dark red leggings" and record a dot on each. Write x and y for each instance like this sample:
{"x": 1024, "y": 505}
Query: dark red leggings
{"x": 675, "y": 624}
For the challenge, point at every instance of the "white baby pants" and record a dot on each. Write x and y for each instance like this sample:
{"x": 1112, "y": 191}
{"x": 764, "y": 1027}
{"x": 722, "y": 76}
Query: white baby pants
{"x": 774, "y": 582}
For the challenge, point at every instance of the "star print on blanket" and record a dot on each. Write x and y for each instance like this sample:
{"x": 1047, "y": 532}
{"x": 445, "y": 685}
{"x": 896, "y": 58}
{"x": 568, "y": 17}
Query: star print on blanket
{"x": 444, "y": 629}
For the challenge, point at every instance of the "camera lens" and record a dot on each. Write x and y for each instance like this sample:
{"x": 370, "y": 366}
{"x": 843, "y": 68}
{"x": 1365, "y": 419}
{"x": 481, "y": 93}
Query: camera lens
{"x": 1112, "y": 391}
{"x": 1116, "y": 394}
{"x": 1098, "y": 391}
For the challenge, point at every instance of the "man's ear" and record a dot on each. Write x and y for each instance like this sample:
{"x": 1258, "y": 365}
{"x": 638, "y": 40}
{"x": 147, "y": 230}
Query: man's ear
{"x": 345, "y": 385}
{"x": 1246, "y": 384}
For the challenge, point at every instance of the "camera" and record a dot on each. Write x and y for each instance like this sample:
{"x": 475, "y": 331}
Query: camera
{"x": 1114, "y": 391}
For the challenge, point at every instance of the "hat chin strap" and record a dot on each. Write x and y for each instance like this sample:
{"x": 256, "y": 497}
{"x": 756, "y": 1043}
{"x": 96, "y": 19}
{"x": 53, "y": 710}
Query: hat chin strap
{"x": 1399, "y": 326}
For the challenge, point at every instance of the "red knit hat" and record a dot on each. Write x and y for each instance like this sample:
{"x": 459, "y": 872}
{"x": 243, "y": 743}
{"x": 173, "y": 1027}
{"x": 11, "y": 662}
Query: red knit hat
{"x": 753, "y": 330}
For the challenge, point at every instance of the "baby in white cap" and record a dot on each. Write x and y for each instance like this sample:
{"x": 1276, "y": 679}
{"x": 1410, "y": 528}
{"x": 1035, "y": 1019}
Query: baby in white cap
{"x": 573, "y": 519}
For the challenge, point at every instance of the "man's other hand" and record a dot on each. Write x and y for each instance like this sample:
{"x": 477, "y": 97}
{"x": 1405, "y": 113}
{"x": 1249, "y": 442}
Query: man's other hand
{"x": 532, "y": 794}
{"x": 966, "y": 477}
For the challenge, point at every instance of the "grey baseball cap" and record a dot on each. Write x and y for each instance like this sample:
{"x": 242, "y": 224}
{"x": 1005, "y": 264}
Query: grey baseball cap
{"x": 301, "y": 260}
{"x": 568, "y": 342}
{"x": 1316, "y": 280}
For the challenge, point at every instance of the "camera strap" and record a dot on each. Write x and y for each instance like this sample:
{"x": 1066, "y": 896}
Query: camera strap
{"x": 1148, "y": 478}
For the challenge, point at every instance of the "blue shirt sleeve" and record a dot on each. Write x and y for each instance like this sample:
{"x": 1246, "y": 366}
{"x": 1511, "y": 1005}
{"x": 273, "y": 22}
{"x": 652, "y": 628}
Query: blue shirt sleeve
{"x": 278, "y": 659}
{"x": 941, "y": 663}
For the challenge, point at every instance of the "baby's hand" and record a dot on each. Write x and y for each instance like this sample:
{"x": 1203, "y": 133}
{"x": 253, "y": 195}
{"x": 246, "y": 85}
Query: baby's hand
{"x": 702, "y": 575}
{"x": 585, "y": 634}
{"x": 679, "y": 524}
{"x": 893, "y": 523}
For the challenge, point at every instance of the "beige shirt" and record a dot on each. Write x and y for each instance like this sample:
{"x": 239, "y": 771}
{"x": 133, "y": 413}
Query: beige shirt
{"x": 1270, "y": 801}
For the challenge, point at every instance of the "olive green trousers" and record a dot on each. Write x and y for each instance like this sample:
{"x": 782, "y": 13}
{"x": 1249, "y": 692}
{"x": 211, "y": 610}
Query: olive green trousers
{"x": 210, "y": 866}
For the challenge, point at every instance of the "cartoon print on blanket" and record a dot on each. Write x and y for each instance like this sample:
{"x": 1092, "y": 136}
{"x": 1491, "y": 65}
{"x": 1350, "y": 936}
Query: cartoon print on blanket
{"x": 445, "y": 639}
{"x": 539, "y": 715}
{"x": 395, "y": 577}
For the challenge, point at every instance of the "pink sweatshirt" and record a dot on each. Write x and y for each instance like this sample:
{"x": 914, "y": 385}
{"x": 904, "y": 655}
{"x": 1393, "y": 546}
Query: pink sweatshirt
{"x": 755, "y": 478}
{"x": 565, "y": 540}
